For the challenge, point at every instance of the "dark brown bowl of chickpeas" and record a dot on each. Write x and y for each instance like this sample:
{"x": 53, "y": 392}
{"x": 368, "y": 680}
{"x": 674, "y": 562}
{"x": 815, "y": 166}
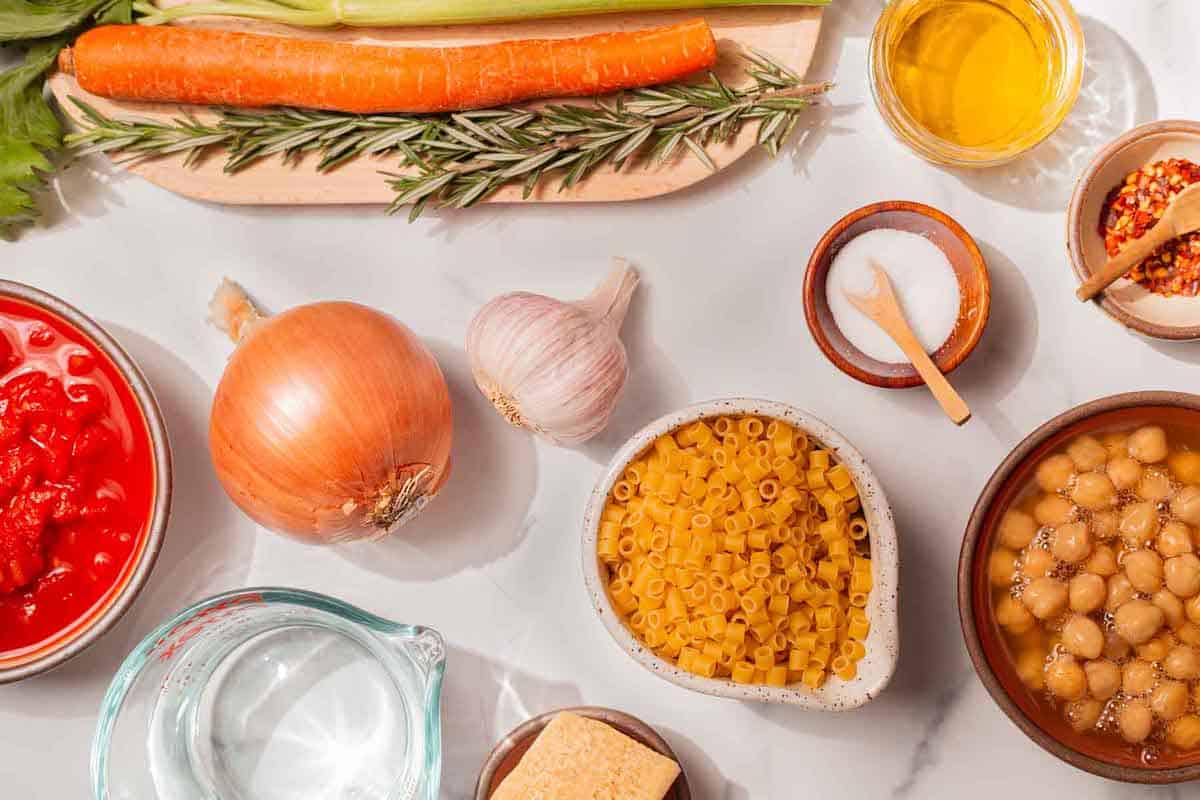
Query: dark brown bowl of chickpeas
{"x": 1079, "y": 587}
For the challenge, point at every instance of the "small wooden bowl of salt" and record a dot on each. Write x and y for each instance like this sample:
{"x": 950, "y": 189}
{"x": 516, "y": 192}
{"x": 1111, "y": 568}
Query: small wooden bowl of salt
{"x": 940, "y": 279}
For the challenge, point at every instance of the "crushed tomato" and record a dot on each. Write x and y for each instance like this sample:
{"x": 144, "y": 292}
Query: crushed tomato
{"x": 76, "y": 477}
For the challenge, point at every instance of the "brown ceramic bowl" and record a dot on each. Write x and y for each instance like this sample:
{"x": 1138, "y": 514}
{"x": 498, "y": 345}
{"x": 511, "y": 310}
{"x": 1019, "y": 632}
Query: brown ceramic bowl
{"x": 964, "y": 256}
{"x": 508, "y": 753}
{"x": 1100, "y": 756}
{"x": 1176, "y": 318}
{"x": 82, "y": 632}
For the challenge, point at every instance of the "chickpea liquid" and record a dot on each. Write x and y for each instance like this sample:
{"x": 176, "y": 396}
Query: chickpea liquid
{"x": 1096, "y": 586}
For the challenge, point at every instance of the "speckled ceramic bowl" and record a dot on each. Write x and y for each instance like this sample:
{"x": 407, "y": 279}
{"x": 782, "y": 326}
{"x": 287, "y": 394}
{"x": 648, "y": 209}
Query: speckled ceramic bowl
{"x": 1176, "y": 318}
{"x": 883, "y": 642}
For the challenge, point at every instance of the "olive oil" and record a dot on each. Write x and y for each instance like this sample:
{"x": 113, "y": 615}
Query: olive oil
{"x": 976, "y": 73}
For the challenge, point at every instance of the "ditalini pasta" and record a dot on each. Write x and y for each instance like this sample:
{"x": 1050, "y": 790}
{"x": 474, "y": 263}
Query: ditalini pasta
{"x": 734, "y": 548}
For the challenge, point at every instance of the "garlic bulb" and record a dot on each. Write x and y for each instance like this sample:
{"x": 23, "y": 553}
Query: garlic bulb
{"x": 552, "y": 367}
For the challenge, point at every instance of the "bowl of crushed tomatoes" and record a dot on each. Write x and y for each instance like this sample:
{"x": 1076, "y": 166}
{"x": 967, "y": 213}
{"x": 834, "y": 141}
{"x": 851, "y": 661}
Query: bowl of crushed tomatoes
{"x": 85, "y": 481}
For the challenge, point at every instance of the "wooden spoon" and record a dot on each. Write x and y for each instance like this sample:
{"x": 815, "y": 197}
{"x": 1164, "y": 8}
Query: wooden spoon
{"x": 881, "y": 306}
{"x": 1182, "y": 216}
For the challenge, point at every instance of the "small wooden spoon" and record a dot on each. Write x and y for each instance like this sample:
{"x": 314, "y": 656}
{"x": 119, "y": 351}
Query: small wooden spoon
{"x": 881, "y": 306}
{"x": 1182, "y": 216}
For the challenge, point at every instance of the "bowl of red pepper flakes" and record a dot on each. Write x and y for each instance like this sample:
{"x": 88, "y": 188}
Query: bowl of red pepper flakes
{"x": 1120, "y": 196}
{"x": 85, "y": 481}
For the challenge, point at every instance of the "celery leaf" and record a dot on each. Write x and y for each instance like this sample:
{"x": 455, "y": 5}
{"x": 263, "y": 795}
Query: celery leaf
{"x": 29, "y": 131}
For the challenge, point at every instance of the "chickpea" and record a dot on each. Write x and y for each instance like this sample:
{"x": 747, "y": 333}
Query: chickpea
{"x": 1104, "y": 524}
{"x": 1087, "y": 453}
{"x": 1135, "y": 721}
{"x": 1002, "y": 567}
{"x": 1017, "y": 530}
{"x": 1120, "y": 591}
{"x": 1094, "y": 491}
{"x": 1192, "y": 609}
{"x": 1031, "y": 667}
{"x": 1084, "y": 714}
{"x": 1115, "y": 647}
{"x": 1182, "y": 662}
{"x": 1138, "y": 678}
{"x": 1154, "y": 650}
{"x": 1045, "y": 597}
{"x": 1184, "y": 733}
{"x": 1037, "y": 563}
{"x": 1139, "y": 523}
{"x": 1086, "y": 593}
{"x": 1103, "y": 678}
{"x": 1052, "y": 510}
{"x": 1144, "y": 568}
{"x": 1081, "y": 636}
{"x": 1155, "y": 485}
{"x": 1137, "y": 620}
{"x": 1065, "y": 678}
{"x": 1115, "y": 443}
{"x": 1189, "y": 634}
{"x": 1013, "y": 616}
{"x": 1172, "y": 607}
{"x": 1174, "y": 539}
{"x": 1185, "y": 465}
{"x": 1055, "y": 473}
{"x": 1149, "y": 444}
{"x": 1183, "y": 575}
{"x": 1186, "y": 505}
{"x": 1124, "y": 472}
{"x": 1071, "y": 543}
{"x": 1103, "y": 561}
{"x": 1169, "y": 700}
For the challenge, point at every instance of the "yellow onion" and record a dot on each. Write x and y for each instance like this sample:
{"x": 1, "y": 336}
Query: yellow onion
{"x": 332, "y": 420}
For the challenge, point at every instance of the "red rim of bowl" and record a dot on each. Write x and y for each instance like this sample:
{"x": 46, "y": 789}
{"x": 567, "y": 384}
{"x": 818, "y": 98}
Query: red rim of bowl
{"x": 995, "y": 488}
{"x": 75, "y": 638}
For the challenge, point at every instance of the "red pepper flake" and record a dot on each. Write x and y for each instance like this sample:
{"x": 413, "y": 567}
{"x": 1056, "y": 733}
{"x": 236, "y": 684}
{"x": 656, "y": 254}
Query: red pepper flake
{"x": 1135, "y": 207}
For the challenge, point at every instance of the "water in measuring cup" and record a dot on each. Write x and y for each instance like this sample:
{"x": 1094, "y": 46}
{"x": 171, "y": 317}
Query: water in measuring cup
{"x": 296, "y": 713}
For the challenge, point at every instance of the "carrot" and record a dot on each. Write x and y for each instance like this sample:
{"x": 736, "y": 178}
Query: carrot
{"x": 212, "y": 67}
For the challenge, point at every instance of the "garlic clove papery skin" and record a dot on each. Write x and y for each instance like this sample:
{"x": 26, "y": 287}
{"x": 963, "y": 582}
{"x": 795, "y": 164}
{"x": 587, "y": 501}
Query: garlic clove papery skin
{"x": 552, "y": 367}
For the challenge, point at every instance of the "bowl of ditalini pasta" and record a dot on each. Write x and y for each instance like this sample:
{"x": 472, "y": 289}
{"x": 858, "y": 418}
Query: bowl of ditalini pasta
{"x": 743, "y": 548}
{"x": 1079, "y": 587}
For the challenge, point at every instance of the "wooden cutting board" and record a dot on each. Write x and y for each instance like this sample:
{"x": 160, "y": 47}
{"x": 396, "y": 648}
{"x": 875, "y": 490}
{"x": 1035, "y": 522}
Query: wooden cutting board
{"x": 788, "y": 35}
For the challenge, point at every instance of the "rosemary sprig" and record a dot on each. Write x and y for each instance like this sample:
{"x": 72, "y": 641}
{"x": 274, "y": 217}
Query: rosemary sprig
{"x": 457, "y": 160}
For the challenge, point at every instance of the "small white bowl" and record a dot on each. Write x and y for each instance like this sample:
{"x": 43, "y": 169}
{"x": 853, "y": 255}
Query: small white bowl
{"x": 883, "y": 642}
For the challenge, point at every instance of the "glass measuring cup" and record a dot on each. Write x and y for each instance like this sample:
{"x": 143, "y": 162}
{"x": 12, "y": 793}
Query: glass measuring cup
{"x": 274, "y": 694}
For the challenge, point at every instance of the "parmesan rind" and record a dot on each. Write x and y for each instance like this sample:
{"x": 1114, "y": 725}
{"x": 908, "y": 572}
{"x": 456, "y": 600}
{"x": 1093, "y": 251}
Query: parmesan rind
{"x": 575, "y": 758}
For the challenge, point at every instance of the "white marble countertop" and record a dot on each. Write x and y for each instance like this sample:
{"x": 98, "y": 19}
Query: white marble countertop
{"x": 494, "y": 564}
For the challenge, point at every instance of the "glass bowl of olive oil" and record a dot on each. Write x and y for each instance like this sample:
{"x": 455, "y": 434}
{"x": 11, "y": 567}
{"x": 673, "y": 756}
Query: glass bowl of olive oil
{"x": 975, "y": 83}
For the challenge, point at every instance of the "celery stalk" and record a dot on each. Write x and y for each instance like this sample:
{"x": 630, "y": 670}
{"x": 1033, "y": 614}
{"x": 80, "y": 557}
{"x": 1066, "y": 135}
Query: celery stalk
{"x": 404, "y": 13}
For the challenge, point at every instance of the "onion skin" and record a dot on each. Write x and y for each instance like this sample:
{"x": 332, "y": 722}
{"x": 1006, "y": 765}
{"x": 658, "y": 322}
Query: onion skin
{"x": 322, "y": 410}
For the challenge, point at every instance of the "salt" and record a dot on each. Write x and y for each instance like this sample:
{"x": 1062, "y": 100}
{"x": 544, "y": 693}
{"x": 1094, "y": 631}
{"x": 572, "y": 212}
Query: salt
{"x": 922, "y": 277}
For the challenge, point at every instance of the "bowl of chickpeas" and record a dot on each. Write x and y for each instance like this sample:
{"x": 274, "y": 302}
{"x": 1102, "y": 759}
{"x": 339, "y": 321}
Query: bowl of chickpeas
{"x": 1079, "y": 587}
{"x": 743, "y": 548}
